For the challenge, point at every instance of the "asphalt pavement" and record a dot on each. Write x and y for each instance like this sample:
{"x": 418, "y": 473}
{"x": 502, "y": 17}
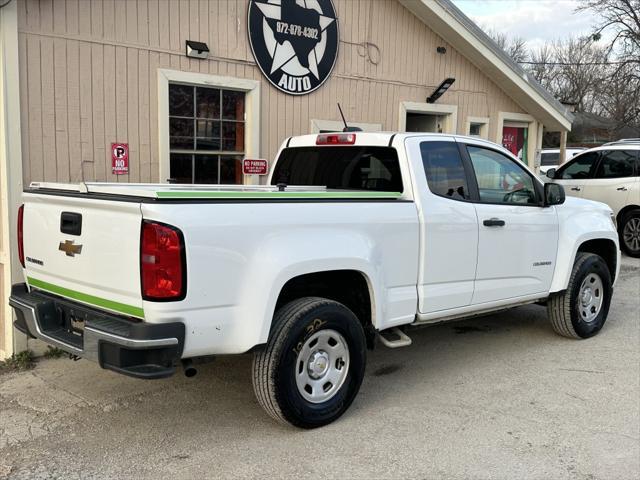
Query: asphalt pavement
{"x": 499, "y": 397}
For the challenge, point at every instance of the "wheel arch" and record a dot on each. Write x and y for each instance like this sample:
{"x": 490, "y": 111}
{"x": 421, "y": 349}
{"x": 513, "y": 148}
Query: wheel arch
{"x": 350, "y": 287}
{"x": 624, "y": 211}
{"x": 605, "y": 248}
{"x": 605, "y": 245}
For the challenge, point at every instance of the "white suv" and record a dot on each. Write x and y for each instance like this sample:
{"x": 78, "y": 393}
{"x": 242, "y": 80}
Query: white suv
{"x": 609, "y": 174}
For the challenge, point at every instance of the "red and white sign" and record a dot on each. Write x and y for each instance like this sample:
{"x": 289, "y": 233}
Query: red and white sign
{"x": 119, "y": 158}
{"x": 257, "y": 166}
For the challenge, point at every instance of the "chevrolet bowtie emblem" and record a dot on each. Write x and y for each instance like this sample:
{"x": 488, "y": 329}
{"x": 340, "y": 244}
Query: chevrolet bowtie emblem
{"x": 69, "y": 248}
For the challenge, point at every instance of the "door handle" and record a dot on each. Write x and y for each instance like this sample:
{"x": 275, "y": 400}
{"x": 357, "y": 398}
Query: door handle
{"x": 622, "y": 189}
{"x": 576, "y": 189}
{"x": 493, "y": 222}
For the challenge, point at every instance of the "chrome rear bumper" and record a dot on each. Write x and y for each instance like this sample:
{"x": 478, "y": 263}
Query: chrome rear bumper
{"x": 117, "y": 343}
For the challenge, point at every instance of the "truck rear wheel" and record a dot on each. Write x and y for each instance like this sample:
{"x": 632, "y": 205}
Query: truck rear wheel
{"x": 313, "y": 364}
{"x": 581, "y": 310}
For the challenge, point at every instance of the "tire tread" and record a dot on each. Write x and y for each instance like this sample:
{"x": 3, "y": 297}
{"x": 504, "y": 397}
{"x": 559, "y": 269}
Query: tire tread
{"x": 559, "y": 306}
{"x": 265, "y": 362}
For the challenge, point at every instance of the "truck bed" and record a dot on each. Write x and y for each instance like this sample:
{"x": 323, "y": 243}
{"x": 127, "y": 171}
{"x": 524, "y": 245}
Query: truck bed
{"x": 155, "y": 191}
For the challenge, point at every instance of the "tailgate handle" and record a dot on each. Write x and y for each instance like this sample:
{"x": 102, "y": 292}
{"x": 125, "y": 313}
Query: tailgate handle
{"x": 71, "y": 223}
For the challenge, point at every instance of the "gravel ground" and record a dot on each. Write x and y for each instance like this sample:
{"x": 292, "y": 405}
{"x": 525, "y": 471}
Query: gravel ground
{"x": 498, "y": 397}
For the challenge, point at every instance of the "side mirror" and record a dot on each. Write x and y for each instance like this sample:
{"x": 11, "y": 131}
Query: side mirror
{"x": 553, "y": 194}
{"x": 551, "y": 173}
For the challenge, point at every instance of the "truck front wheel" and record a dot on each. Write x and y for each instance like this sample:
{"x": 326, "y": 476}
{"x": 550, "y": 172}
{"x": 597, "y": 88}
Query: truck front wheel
{"x": 581, "y": 310}
{"x": 313, "y": 364}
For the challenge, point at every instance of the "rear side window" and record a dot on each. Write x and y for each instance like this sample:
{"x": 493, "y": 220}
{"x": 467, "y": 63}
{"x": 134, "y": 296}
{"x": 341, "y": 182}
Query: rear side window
{"x": 616, "y": 164}
{"x": 444, "y": 170}
{"x": 343, "y": 168}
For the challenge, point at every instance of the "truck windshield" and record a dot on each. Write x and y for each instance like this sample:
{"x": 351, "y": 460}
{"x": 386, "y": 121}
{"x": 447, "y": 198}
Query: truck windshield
{"x": 344, "y": 168}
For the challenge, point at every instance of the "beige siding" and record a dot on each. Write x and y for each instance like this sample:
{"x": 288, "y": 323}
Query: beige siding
{"x": 89, "y": 77}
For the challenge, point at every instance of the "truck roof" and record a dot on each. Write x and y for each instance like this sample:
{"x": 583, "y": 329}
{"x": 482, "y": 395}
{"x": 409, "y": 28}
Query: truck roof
{"x": 379, "y": 138}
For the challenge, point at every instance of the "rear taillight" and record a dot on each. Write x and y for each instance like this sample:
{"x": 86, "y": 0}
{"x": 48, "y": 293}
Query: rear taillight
{"x": 336, "y": 139}
{"x": 162, "y": 262}
{"x": 21, "y": 235}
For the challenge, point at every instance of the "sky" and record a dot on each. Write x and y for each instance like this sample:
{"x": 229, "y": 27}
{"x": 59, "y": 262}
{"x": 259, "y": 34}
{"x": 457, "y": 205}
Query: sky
{"x": 534, "y": 20}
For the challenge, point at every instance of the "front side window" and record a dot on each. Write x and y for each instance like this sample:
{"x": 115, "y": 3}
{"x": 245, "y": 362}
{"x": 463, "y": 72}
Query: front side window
{"x": 579, "y": 168}
{"x": 616, "y": 164}
{"x": 340, "y": 168}
{"x": 444, "y": 170}
{"x": 500, "y": 179}
{"x": 206, "y": 134}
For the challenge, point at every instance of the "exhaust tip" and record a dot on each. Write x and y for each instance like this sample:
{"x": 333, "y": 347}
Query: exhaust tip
{"x": 189, "y": 370}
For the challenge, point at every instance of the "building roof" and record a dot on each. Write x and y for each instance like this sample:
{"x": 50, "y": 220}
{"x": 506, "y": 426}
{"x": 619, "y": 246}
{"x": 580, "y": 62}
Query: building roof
{"x": 448, "y": 21}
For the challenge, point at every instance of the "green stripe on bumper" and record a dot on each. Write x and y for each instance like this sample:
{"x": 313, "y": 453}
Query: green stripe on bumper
{"x": 89, "y": 299}
{"x": 274, "y": 195}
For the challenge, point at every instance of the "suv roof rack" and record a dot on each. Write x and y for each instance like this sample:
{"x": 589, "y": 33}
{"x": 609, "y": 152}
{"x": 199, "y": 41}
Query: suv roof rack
{"x": 624, "y": 141}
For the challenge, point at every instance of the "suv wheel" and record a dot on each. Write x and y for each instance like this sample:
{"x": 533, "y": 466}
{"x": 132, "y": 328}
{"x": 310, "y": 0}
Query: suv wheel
{"x": 630, "y": 233}
{"x": 581, "y": 310}
{"x": 313, "y": 364}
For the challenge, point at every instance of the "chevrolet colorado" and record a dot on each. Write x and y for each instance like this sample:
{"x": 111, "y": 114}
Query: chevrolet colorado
{"x": 357, "y": 237}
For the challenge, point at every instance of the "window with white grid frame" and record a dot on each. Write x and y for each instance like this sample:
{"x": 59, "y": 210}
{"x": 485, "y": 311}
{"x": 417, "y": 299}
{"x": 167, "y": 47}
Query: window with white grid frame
{"x": 206, "y": 134}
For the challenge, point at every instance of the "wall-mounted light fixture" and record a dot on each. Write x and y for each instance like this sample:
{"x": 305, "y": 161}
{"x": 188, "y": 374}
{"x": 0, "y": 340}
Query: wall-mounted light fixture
{"x": 441, "y": 50}
{"x": 197, "y": 49}
{"x": 443, "y": 87}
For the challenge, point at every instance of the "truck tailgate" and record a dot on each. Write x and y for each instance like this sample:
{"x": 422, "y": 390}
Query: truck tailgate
{"x": 87, "y": 250}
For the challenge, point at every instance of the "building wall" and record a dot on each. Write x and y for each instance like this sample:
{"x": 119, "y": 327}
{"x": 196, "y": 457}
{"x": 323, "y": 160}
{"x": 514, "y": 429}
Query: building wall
{"x": 88, "y": 73}
{"x": 10, "y": 175}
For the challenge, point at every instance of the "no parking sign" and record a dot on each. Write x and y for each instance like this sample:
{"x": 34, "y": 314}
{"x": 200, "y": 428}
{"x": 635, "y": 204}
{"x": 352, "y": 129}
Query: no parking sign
{"x": 119, "y": 158}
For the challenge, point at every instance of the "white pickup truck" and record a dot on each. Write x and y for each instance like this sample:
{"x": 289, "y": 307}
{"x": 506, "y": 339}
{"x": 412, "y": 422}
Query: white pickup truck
{"x": 357, "y": 237}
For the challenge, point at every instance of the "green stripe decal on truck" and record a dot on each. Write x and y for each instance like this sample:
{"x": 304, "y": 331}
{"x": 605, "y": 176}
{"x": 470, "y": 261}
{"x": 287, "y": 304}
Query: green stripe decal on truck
{"x": 85, "y": 298}
{"x": 276, "y": 195}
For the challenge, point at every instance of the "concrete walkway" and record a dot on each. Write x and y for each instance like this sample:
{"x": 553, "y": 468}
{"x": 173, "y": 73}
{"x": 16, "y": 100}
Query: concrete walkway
{"x": 498, "y": 397}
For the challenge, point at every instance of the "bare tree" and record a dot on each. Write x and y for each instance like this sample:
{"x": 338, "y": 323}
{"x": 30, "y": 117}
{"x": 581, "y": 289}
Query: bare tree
{"x": 515, "y": 47}
{"x": 623, "y": 18}
{"x": 579, "y": 72}
{"x": 542, "y": 65}
{"x": 620, "y": 93}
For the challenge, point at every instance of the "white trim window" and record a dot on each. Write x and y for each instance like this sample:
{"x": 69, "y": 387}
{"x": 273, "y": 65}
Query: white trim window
{"x": 206, "y": 134}
{"x": 207, "y": 125}
{"x": 446, "y": 115}
{"x": 477, "y": 127}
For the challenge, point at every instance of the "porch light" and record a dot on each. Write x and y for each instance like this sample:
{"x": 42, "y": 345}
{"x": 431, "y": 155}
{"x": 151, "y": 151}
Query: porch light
{"x": 197, "y": 49}
{"x": 443, "y": 87}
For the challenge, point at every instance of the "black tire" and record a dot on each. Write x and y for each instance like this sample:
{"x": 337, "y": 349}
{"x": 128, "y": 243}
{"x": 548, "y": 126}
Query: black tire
{"x": 629, "y": 231}
{"x": 274, "y": 368}
{"x": 566, "y": 310}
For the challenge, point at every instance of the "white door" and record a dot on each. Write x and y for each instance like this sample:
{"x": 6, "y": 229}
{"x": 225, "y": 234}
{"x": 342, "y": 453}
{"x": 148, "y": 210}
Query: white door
{"x": 574, "y": 174}
{"x": 613, "y": 179}
{"x": 449, "y": 226}
{"x": 518, "y": 239}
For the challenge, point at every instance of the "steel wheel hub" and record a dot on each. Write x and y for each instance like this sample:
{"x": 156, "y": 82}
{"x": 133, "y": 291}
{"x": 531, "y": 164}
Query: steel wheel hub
{"x": 318, "y": 364}
{"x": 591, "y": 297}
{"x": 322, "y": 366}
{"x": 631, "y": 234}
